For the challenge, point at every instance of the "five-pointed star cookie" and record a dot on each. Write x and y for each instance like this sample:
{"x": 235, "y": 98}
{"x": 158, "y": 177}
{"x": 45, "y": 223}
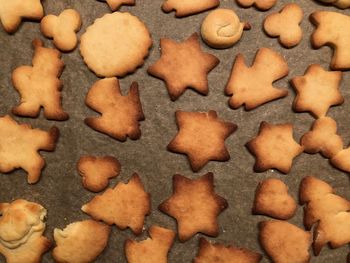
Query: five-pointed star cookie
{"x": 201, "y": 137}
{"x": 195, "y": 206}
{"x": 317, "y": 90}
{"x": 183, "y": 65}
{"x": 274, "y": 147}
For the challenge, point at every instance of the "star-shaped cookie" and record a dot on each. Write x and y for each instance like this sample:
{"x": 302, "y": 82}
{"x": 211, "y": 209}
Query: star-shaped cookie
{"x": 195, "y": 206}
{"x": 183, "y": 65}
{"x": 317, "y": 90}
{"x": 274, "y": 147}
{"x": 201, "y": 137}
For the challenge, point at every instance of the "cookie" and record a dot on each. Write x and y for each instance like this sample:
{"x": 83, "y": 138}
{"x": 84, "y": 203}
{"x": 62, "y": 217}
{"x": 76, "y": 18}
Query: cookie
{"x": 188, "y": 7}
{"x": 96, "y": 171}
{"x": 285, "y": 25}
{"x": 317, "y": 91}
{"x": 322, "y": 138}
{"x": 115, "y": 44}
{"x": 252, "y": 86}
{"x": 195, "y": 206}
{"x": 332, "y": 30}
{"x": 126, "y": 205}
{"x": 221, "y": 28}
{"x": 39, "y": 85}
{"x": 201, "y": 137}
{"x": 183, "y": 65}
{"x": 209, "y": 253}
{"x": 338, "y": 3}
{"x": 62, "y": 29}
{"x": 341, "y": 160}
{"x": 80, "y": 242}
{"x": 120, "y": 115}
{"x": 274, "y": 147}
{"x": 284, "y": 242}
{"x": 272, "y": 199}
{"x": 21, "y": 232}
{"x": 12, "y": 12}
{"x": 115, "y": 4}
{"x": 20, "y": 145}
{"x": 152, "y": 250}
{"x": 259, "y": 4}
{"x": 325, "y": 210}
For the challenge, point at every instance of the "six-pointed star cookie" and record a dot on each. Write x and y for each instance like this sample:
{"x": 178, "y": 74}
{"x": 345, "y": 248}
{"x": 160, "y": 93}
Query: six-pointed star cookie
{"x": 201, "y": 137}
{"x": 274, "y": 147}
{"x": 317, "y": 90}
{"x": 183, "y": 65}
{"x": 195, "y": 206}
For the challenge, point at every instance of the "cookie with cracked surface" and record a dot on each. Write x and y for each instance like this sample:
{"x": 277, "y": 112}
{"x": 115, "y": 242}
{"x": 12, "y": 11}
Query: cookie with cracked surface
{"x": 188, "y": 7}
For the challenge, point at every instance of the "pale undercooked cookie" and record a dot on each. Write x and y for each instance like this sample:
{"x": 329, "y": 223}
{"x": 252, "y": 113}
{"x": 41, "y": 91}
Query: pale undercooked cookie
{"x": 21, "y": 232}
{"x": 120, "y": 115}
{"x": 115, "y": 4}
{"x": 19, "y": 147}
{"x": 286, "y": 25}
{"x": 260, "y": 4}
{"x": 39, "y": 85}
{"x": 183, "y": 65}
{"x": 154, "y": 249}
{"x": 96, "y": 171}
{"x": 115, "y": 44}
{"x": 201, "y": 137}
{"x": 272, "y": 199}
{"x": 13, "y": 11}
{"x": 188, "y": 7}
{"x": 252, "y": 86}
{"x": 274, "y": 147}
{"x": 195, "y": 206}
{"x": 126, "y": 205}
{"x": 317, "y": 90}
{"x": 80, "y": 242}
{"x": 62, "y": 29}
{"x": 338, "y": 3}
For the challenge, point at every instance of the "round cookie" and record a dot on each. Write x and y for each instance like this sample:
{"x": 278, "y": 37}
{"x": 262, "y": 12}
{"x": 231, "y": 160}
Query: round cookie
{"x": 222, "y": 28}
{"x": 115, "y": 44}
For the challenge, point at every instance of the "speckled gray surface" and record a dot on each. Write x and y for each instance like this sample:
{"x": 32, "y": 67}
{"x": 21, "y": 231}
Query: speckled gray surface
{"x": 60, "y": 190}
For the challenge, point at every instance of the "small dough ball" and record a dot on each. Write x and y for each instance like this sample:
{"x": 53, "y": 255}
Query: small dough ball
{"x": 221, "y": 28}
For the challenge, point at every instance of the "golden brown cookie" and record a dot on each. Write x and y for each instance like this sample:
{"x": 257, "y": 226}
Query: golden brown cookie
{"x": 20, "y": 145}
{"x": 80, "y": 242}
{"x": 195, "y": 206}
{"x": 96, "y": 171}
{"x": 274, "y": 147}
{"x": 152, "y": 250}
{"x": 338, "y": 3}
{"x": 39, "y": 85}
{"x": 115, "y": 4}
{"x": 317, "y": 91}
{"x": 201, "y": 137}
{"x": 341, "y": 160}
{"x": 183, "y": 65}
{"x": 120, "y": 115}
{"x": 252, "y": 86}
{"x": 272, "y": 199}
{"x": 126, "y": 205}
{"x": 260, "y": 4}
{"x": 188, "y": 7}
{"x": 209, "y": 253}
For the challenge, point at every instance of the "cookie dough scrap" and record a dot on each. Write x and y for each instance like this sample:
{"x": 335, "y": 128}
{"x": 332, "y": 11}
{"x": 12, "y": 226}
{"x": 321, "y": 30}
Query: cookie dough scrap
{"x": 183, "y": 65}
{"x": 80, "y": 242}
{"x": 332, "y": 30}
{"x": 115, "y": 4}
{"x": 188, "y": 7}
{"x": 252, "y": 86}
{"x": 272, "y": 199}
{"x": 115, "y": 44}
{"x": 317, "y": 91}
{"x": 195, "y": 206}
{"x": 201, "y": 137}
{"x": 21, "y": 232}
{"x": 286, "y": 25}
{"x": 151, "y": 250}
{"x": 209, "y": 253}
{"x": 338, "y": 3}
{"x": 327, "y": 211}
{"x": 62, "y": 29}
{"x": 274, "y": 147}
{"x": 126, "y": 205}
{"x": 259, "y": 4}
{"x": 12, "y": 12}
{"x": 120, "y": 115}
{"x": 20, "y": 145}
{"x": 96, "y": 171}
